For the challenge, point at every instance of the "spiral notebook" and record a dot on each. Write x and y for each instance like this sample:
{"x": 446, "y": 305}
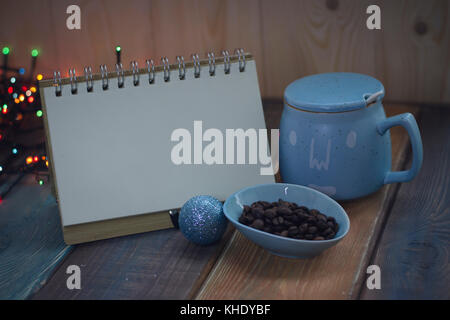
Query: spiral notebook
{"x": 116, "y": 139}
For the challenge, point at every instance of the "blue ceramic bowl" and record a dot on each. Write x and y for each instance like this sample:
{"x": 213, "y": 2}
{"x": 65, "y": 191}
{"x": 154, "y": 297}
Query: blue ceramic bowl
{"x": 303, "y": 196}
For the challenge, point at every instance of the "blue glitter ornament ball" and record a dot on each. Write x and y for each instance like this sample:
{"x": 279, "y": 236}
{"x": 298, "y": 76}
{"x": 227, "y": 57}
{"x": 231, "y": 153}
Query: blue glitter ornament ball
{"x": 202, "y": 220}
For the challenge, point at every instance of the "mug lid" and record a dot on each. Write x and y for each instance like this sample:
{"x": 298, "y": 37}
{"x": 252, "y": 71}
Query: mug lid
{"x": 333, "y": 92}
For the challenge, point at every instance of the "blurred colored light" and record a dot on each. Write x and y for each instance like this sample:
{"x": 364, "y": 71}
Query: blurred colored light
{"x": 39, "y": 77}
{"x": 118, "y": 49}
{"x": 15, "y": 95}
{"x": 16, "y": 100}
{"x": 35, "y": 159}
{"x": 19, "y": 117}
{"x": 5, "y": 50}
{"x": 22, "y": 71}
{"x": 46, "y": 163}
{"x": 15, "y": 151}
{"x": 29, "y": 160}
{"x": 24, "y": 88}
{"x": 34, "y": 53}
{"x": 39, "y": 113}
{"x": 44, "y": 158}
{"x": 1, "y": 168}
{"x": 28, "y": 93}
{"x": 10, "y": 90}
{"x": 33, "y": 89}
{"x": 30, "y": 99}
{"x": 41, "y": 182}
{"x": 13, "y": 80}
{"x": 5, "y": 109}
{"x": 21, "y": 97}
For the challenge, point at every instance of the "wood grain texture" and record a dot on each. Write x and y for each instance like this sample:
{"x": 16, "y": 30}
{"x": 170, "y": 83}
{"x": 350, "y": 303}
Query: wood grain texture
{"x": 153, "y": 265}
{"x": 414, "y": 250}
{"x": 246, "y": 271}
{"x": 315, "y": 39}
{"x": 31, "y": 242}
{"x": 289, "y": 39}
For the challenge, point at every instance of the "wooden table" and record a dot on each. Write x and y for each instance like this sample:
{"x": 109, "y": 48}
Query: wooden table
{"x": 403, "y": 228}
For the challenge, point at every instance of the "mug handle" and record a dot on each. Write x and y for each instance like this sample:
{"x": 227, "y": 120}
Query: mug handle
{"x": 407, "y": 121}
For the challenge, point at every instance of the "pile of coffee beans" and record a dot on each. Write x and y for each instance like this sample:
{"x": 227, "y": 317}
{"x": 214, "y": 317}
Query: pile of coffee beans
{"x": 288, "y": 219}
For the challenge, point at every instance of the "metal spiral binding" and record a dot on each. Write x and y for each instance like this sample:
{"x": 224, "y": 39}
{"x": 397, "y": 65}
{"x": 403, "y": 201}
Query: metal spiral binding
{"x": 212, "y": 63}
{"x": 196, "y": 61}
{"x": 226, "y": 61}
{"x": 166, "y": 67}
{"x": 120, "y": 75}
{"x": 239, "y": 52}
{"x": 181, "y": 68}
{"x": 135, "y": 71}
{"x": 89, "y": 79}
{"x": 105, "y": 79}
{"x": 73, "y": 81}
{"x": 151, "y": 71}
{"x": 57, "y": 83}
{"x": 241, "y": 57}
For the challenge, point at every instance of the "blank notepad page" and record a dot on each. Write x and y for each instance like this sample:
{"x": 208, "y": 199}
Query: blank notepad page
{"x": 111, "y": 149}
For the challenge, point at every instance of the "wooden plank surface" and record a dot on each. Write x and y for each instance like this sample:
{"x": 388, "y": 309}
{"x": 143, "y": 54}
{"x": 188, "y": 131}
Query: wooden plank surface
{"x": 289, "y": 38}
{"x": 246, "y": 271}
{"x": 31, "y": 242}
{"x": 414, "y": 251}
{"x": 153, "y": 265}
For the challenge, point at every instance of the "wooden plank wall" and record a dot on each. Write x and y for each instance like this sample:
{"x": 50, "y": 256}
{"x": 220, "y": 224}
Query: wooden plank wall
{"x": 290, "y": 39}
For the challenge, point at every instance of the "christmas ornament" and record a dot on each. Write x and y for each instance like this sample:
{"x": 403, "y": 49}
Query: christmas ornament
{"x": 202, "y": 220}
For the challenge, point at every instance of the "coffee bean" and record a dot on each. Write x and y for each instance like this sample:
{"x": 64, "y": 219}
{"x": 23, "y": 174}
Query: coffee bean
{"x": 243, "y": 220}
{"x": 284, "y": 211}
{"x": 258, "y": 212}
{"x": 257, "y": 224}
{"x": 312, "y": 230}
{"x": 284, "y": 233}
{"x": 303, "y": 227}
{"x": 309, "y": 236}
{"x": 295, "y": 219}
{"x": 327, "y": 231}
{"x": 322, "y": 225}
{"x": 289, "y": 220}
{"x": 278, "y": 228}
{"x": 287, "y": 223}
{"x": 266, "y": 205}
{"x": 270, "y": 213}
{"x": 312, "y": 219}
{"x": 250, "y": 218}
{"x": 330, "y": 236}
{"x": 293, "y": 230}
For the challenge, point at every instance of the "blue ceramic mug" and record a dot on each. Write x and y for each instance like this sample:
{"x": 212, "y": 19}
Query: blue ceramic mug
{"x": 334, "y": 136}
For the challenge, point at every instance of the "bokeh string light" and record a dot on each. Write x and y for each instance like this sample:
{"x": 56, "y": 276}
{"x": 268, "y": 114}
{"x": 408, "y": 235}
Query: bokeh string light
{"x": 20, "y": 114}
